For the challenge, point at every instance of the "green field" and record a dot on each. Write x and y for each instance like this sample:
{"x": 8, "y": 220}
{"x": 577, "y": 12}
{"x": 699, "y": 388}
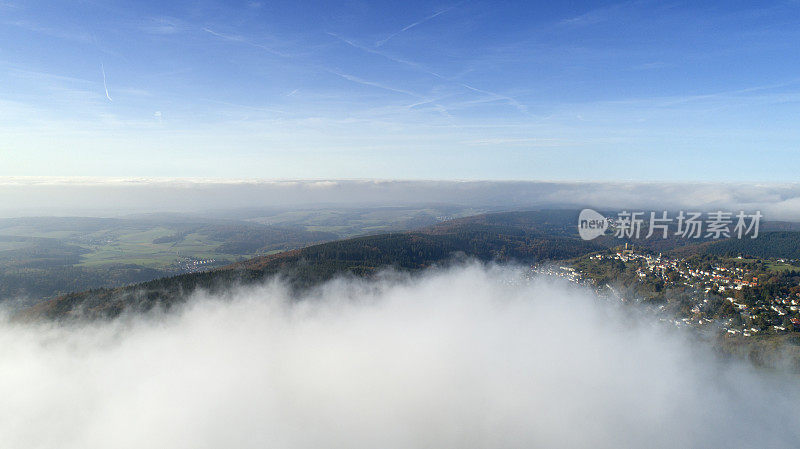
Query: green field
{"x": 45, "y": 256}
{"x": 137, "y": 247}
{"x": 129, "y": 245}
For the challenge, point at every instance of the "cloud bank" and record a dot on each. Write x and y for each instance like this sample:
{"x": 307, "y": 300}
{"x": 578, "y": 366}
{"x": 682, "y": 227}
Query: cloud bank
{"x": 108, "y": 197}
{"x": 467, "y": 357}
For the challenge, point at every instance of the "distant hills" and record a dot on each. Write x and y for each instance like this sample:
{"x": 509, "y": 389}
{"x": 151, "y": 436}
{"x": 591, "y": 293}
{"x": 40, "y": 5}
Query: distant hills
{"x": 527, "y": 236}
{"x": 42, "y": 257}
{"x": 45, "y": 257}
{"x": 510, "y": 236}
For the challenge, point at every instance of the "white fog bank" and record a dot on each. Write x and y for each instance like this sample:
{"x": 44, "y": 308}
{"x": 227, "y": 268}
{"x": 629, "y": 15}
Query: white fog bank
{"x": 454, "y": 358}
{"x": 114, "y": 197}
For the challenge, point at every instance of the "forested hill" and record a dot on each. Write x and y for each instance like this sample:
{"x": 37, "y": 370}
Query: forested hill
{"x": 777, "y": 244}
{"x": 521, "y": 236}
{"x": 518, "y": 236}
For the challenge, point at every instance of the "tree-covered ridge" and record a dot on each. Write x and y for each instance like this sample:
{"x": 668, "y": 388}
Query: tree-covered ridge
{"x": 306, "y": 267}
{"x": 512, "y": 236}
{"x": 779, "y": 244}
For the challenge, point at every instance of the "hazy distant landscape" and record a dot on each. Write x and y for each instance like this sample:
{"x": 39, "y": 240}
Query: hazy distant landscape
{"x": 47, "y": 256}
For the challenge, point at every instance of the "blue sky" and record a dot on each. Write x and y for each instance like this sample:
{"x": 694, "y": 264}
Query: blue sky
{"x": 453, "y": 90}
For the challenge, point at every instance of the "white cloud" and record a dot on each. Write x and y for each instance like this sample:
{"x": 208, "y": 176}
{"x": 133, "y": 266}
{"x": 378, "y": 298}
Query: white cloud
{"x": 113, "y": 196}
{"x": 459, "y": 358}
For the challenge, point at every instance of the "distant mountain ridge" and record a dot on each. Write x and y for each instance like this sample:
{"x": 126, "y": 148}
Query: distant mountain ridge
{"x": 523, "y": 236}
{"x": 508, "y": 236}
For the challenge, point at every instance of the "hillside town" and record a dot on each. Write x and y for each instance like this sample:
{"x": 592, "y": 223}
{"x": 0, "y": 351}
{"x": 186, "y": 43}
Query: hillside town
{"x": 710, "y": 292}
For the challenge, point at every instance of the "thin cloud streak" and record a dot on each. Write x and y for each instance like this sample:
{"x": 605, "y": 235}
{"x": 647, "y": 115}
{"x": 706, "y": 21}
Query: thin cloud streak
{"x": 440, "y": 108}
{"x": 240, "y": 39}
{"x": 364, "y": 82}
{"x": 105, "y": 85}
{"x": 408, "y": 27}
{"x": 406, "y": 62}
{"x": 745, "y": 90}
{"x": 521, "y": 107}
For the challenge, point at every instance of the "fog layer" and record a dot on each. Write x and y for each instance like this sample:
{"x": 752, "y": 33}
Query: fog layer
{"x": 467, "y": 357}
{"x": 111, "y": 197}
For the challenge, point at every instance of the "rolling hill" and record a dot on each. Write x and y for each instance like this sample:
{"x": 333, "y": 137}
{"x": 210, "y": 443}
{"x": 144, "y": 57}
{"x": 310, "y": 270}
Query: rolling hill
{"x": 510, "y": 236}
{"x": 529, "y": 236}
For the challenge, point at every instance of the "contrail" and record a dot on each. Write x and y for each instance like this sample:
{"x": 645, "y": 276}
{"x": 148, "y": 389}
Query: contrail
{"x": 105, "y": 86}
{"x": 408, "y": 63}
{"x": 521, "y": 107}
{"x": 408, "y": 27}
{"x": 358, "y": 80}
{"x": 235, "y": 38}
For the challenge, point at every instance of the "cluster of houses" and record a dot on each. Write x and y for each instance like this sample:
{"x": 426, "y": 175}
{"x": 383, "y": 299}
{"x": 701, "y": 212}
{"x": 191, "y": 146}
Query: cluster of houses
{"x": 777, "y": 312}
{"x": 568, "y": 273}
{"x": 660, "y": 267}
{"x": 193, "y": 265}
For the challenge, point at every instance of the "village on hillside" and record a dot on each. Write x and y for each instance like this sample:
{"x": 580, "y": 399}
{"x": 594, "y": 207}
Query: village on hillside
{"x": 737, "y": 296}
